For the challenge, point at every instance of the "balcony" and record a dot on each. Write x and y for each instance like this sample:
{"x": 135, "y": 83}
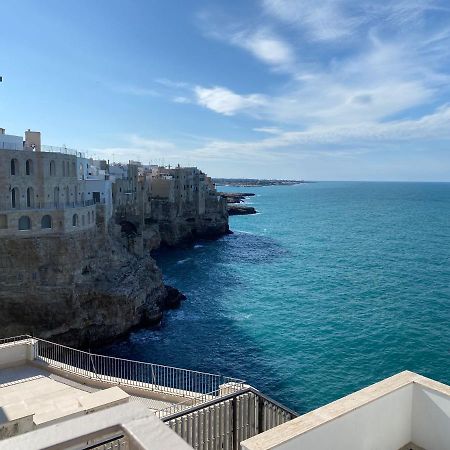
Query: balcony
{"x": 42, "y": 383}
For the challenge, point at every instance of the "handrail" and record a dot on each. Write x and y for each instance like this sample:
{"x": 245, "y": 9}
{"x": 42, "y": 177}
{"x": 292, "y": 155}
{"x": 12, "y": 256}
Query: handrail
{"x": 223, "y": 398}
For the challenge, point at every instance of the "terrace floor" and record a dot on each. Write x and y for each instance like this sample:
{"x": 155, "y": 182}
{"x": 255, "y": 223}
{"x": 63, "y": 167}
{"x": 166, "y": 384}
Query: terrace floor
{"x": 50, "y": 396}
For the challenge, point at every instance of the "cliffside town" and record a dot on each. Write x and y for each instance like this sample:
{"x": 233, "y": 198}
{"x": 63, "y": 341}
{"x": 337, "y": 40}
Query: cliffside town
{"x": 76, "y": 236}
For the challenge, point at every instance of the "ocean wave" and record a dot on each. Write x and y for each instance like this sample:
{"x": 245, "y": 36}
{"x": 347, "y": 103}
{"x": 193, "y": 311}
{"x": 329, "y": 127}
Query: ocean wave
{"x": 182, "y": 261}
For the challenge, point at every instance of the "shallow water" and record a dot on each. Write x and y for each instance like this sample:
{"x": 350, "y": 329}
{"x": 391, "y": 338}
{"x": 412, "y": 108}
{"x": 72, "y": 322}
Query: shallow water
{"x": 333, "y": 286}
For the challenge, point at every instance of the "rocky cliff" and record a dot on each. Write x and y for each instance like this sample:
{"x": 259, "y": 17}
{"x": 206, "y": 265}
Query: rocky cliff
{"x": 78, "y": 288}
{"x": 91, "y": 286}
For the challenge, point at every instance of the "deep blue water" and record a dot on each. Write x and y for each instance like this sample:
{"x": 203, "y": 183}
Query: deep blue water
{"x": 333, "y": 286}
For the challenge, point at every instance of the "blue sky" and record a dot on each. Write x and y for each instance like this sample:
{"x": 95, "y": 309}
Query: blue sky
{"x": 337, "y": 89}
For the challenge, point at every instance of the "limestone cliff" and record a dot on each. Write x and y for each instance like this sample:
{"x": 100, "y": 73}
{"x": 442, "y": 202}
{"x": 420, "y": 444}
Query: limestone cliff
{"x": 78, "y": 288}
{"x": 171, "y": 225}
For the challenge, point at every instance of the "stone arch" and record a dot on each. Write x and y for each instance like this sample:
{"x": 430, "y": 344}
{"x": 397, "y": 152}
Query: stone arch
{"x": 30, "y": 197}
{"x": 15, "y": 198}
{"x": 75, "y": 220}
{"x": 128, "y": 228}
{"x": 29, "y": 167}
{"x": 46, "y": 221}
{"x": 52, "y": 168}
{"x": 14, "y": 167}
{"x": 24, "y": 223}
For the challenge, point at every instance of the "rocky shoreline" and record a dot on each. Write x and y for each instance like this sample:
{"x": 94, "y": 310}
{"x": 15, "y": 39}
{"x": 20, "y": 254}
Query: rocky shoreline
{"x": 234, "y": 203}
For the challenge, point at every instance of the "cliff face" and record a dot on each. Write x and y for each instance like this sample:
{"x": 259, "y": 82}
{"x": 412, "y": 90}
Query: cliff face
{"x": 171, "y": 225}
{"x": 91, "y": 286}
{"x": 77, "y": 288}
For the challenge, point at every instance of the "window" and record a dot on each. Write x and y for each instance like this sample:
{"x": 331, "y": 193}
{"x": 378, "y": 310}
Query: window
{"x": 52, "y": 168}
{"x": 24, "y": 223}
{"x": 74, "y": 170}
{"x": 14, "y": 167}
{"x": 30, "y": 197}
{"x": 46, "y": 221}
{"x": 29, "y": 167}
{"x": 15, "y": 199}
{"x": 75, "y": 220}
{"x": 83, "y": 223}
{"x": 3, "y": 221}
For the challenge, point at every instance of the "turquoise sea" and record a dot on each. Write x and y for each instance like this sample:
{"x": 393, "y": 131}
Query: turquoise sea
{"x": 332, "y": 287}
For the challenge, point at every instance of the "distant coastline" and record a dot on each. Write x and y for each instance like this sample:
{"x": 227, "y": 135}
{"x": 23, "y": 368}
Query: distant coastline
{"x": 251, "y": 182}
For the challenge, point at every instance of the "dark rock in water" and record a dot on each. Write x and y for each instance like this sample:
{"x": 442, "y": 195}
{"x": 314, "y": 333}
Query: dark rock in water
{"x": 173, "y": 298}
{"x": 235, "y": 197}
{"x": 240, "y": 210}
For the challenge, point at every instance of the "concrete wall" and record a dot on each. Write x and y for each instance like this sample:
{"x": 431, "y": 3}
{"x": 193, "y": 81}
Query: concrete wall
{"x": 381, "y": 424}
{"x": 14, "y": 354}
{"x": 430, "y": 418}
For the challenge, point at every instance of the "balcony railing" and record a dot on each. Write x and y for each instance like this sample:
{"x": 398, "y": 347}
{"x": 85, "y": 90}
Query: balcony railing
{"x": 223, "y": 423}
{"x": 51, "y": 205}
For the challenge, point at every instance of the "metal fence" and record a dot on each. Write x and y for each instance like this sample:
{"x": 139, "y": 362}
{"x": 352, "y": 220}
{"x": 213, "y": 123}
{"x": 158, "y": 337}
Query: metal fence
{"x": 50, "y": 205}
{"x": 225, "y": 422}
{"x": 155, "y": 377}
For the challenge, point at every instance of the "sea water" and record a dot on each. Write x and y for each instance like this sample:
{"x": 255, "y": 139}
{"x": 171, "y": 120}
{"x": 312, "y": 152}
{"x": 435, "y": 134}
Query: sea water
{"x": 331, "y": 287}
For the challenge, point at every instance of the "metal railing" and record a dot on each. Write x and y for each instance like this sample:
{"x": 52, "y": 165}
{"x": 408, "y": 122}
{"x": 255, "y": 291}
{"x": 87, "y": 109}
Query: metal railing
{"x": 51, "y": 205}
{"x": 63, "y": 150}
{"x": 124, "y": 372}
{"x": 225, "y": 422}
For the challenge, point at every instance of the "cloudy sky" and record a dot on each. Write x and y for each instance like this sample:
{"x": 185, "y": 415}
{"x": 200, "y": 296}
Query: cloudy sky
{"x": 336, "y": 89}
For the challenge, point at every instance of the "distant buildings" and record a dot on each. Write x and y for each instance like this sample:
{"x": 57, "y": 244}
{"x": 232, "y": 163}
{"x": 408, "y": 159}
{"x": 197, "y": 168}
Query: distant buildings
{"x": 46, "y": 189}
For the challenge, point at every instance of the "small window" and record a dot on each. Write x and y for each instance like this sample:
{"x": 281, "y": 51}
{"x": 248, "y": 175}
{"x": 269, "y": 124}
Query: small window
{"x": 24, "y": 223}
{"x": 30, "y": 197}
{"x": 29, "y": 167}
{"x": 15, "y": 199}
{"x": 14, "y": 167}
{"x": 75, "y": 220}
{"x": 52, "y": 168}
{"x": 46, "y": 221}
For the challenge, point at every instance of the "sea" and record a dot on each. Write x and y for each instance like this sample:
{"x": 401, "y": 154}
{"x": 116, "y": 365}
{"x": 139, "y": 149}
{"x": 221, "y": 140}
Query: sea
{"x": 331, "y": 287}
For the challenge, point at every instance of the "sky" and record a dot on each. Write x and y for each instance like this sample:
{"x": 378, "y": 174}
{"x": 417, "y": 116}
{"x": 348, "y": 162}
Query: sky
{"x": 299, "y": 89}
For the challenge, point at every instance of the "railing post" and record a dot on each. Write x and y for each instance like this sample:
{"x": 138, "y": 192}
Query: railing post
{"x": 234, "y": 435}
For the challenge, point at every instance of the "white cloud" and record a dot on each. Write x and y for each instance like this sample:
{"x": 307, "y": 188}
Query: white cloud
{"x": 225, "y": 101}
{"x": 266, "y": 46}
{"x": 269, "y": 130}
{"x": 181, "y": 99}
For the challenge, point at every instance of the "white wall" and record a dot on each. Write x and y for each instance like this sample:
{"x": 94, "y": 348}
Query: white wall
{"x": 430, "y": 419}
{"x": 381, "y": 424}
{"x": 13, "y": 354}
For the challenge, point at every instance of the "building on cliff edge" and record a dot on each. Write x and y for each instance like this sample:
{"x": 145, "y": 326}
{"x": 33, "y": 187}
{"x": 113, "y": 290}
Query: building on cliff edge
{"x": 46, "y": 189}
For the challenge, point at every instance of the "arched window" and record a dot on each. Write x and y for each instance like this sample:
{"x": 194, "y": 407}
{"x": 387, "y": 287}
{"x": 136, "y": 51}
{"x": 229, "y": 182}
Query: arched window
{"x": 24, "y": 223}
{"x": 30, "y": 197}
{"x": 64, "y": 168}
{"x": 15, "y": 198}
{"x": 74, "y": 169}
{"x": 46, "y": 221}
{"x": 14, "y": 167}
{"x": 52, "y": 168}
{"x": 83, "y": 223}
{"x": 29, "y": 167}
{"x": 67, "y": 194}
{"x": 75, "y": 220}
